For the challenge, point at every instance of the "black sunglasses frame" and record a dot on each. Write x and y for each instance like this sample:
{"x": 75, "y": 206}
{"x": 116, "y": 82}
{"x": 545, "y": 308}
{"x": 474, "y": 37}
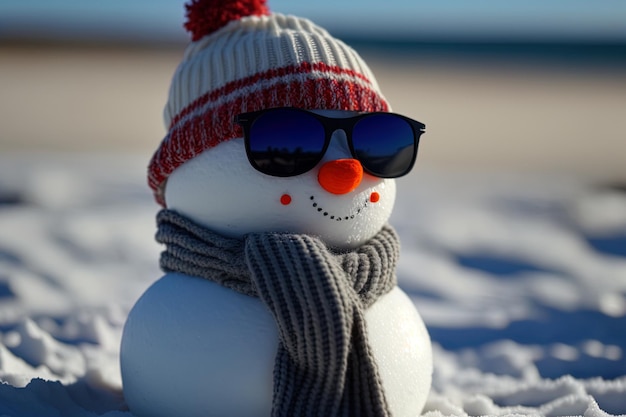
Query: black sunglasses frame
{"x": 330, "y": 125}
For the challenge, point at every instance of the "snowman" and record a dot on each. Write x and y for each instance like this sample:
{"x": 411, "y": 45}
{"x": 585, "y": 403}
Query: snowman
{"x": 277, "y": 180}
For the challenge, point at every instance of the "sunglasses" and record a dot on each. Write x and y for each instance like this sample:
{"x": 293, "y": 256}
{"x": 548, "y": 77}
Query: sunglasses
{"x": 287, "y": 141}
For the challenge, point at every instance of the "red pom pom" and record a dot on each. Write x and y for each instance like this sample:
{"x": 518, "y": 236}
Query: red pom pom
{"x": 207, "y": 16}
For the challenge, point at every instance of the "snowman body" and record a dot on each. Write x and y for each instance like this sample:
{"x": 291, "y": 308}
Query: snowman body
{"x": 194, "y": 348}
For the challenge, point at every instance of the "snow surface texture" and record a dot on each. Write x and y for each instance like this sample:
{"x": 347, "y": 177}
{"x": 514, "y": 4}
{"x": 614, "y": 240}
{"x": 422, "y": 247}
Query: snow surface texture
{"x": 521, "y": 282}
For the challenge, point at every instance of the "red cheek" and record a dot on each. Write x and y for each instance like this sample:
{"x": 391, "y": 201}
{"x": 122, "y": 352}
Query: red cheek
{"x": 285, "y": 199}
{"x": 374, "y": 197}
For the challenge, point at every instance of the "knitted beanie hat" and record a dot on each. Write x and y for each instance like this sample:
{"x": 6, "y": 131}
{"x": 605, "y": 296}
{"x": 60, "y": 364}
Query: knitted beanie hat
{"x": 243, "y": 58}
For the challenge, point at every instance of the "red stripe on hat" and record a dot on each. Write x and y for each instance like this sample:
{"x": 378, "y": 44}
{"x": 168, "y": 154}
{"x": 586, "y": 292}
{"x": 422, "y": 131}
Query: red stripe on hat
{"x": 229, "y": 88}
{"x": 191, "y": 137}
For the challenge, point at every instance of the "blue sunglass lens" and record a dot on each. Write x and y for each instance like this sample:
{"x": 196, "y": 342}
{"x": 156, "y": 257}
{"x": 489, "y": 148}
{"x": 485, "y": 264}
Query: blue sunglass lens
{"x": 385, "y": 144}
{"x": 286, "y": 142}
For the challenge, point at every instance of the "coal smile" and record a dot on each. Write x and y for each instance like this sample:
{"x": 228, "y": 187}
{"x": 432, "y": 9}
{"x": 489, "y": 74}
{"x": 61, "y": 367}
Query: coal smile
{"x": 330, "y": 216}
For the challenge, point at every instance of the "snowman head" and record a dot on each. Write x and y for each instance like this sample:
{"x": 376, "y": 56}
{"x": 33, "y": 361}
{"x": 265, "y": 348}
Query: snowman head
{"x": 273, "y": 125}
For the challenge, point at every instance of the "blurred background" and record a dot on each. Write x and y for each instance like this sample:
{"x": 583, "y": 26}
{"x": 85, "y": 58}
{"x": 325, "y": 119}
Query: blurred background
{"x": 529, "y": 86}
{"x": 513, "y": 223}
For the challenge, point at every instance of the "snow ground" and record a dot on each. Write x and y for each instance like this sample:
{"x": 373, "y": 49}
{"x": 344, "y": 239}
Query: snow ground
{"x": 521, "y": 282}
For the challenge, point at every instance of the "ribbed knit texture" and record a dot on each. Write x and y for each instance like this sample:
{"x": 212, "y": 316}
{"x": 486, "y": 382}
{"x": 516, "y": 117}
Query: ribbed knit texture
{"x": 324, "y": 366}
{"x": 254, "y": 63}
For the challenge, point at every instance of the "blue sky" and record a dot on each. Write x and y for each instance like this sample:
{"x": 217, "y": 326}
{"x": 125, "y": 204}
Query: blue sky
{"x": 543, "y": 19}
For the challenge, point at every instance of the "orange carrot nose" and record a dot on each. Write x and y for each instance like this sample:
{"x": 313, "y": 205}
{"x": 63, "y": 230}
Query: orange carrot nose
{"x": 340, "y": 176}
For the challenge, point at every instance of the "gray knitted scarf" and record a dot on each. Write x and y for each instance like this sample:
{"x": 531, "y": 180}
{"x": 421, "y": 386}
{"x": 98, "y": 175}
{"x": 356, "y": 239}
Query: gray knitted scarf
{"x": 324, "y": 365}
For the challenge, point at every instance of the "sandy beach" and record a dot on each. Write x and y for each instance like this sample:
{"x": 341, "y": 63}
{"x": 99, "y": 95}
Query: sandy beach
{"x": 509, "y": 117}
